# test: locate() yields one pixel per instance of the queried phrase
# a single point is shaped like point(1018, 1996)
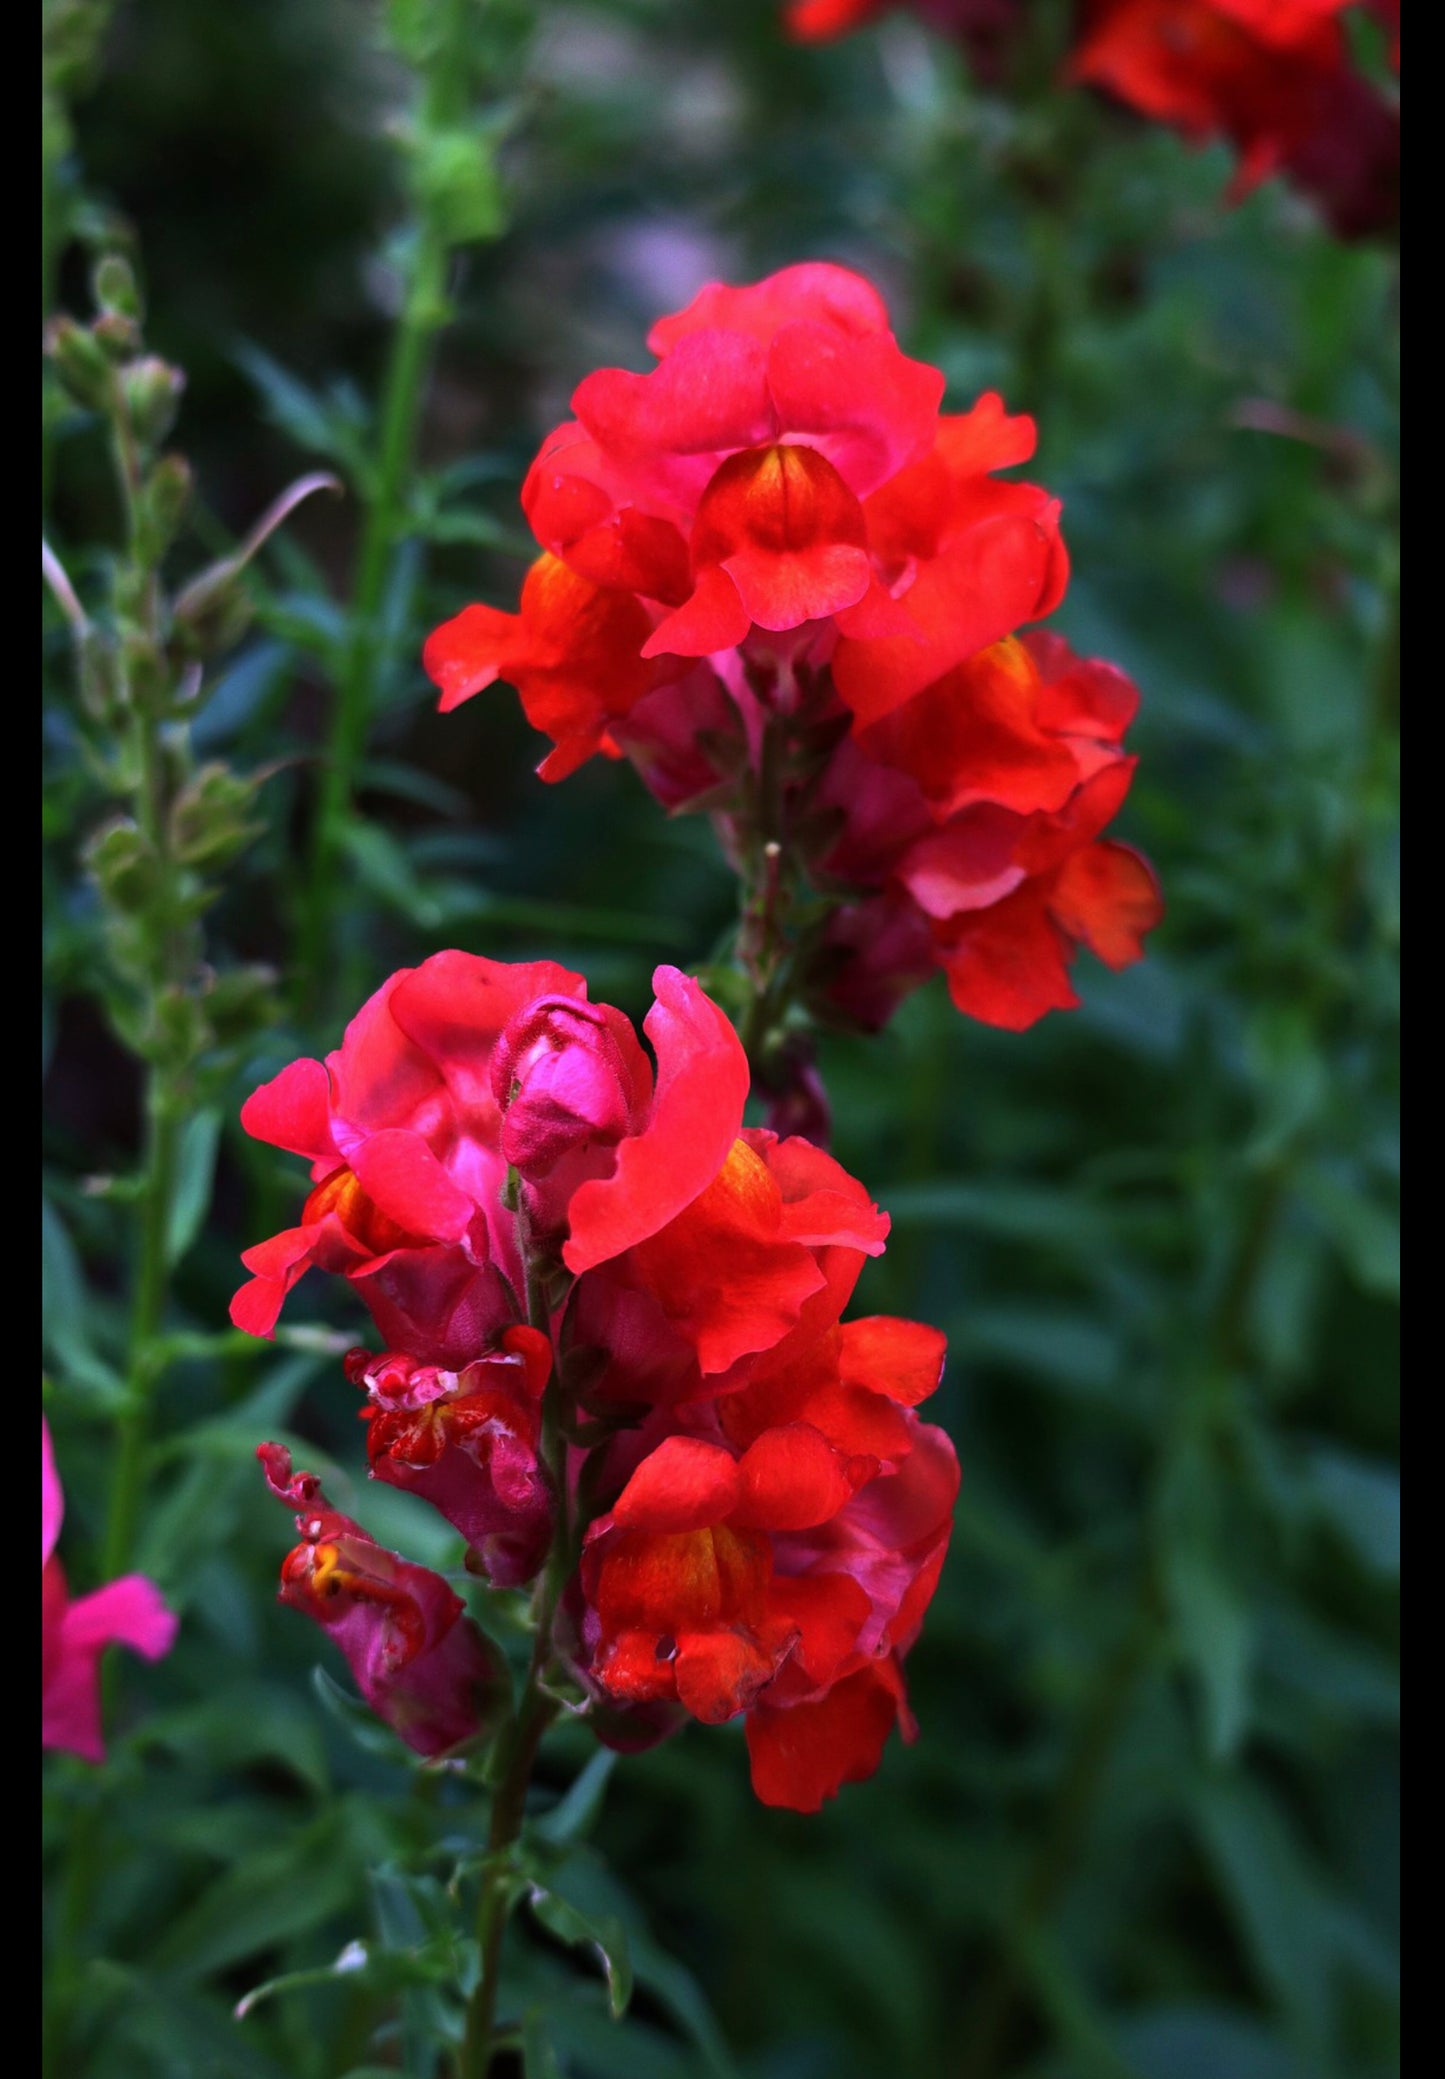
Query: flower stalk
point(448, 61)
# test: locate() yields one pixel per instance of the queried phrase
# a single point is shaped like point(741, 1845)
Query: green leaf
point(64, 1314)
point(1207, 2043)
point(539, 2059)
point(358, 1719)
point(574, 1815)
point(1366, 1233)
point(1361, 1503)
point(276, 1894)
point(195, 1171)
point(1216, 1634)
point(603, 1932)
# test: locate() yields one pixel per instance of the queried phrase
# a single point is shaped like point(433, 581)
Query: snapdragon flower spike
point(833, 576)
point(782, 473)
point(773, 1555)
point(1274, 77)
point(74, 1632)
point(764, 1514)
point(468, 1443)
point(421, 1664)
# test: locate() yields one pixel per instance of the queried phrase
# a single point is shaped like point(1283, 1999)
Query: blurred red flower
point(1274, 77)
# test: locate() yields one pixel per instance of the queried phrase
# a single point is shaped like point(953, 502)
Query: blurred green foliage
point(1151, 1825)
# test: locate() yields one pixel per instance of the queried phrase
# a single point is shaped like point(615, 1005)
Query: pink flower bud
point(561, 1081)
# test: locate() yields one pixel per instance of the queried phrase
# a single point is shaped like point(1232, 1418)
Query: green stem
point(1051, 1867)
point(128, 1477)
point(535, 1714)
point(494, 1908)
point(423, 314)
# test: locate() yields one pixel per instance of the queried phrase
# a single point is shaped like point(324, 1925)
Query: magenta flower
point(74, 1634)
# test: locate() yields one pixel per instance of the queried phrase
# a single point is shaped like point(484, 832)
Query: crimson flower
point(774, 1553)
point(987, 29)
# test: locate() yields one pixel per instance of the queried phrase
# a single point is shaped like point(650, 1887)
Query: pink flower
point(74, 1634)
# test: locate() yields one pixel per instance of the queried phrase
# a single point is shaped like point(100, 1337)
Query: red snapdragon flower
point(774, 552)
point(979, 832)
point(780, 484)
point(621, 1313)
point(464, 1083)
point(1274, 77)
point(420, 1663)
point(467, 1442)
point(74, 1632)
point(775, 1553)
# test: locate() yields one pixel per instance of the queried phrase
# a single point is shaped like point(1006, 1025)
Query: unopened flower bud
point(210, 817)
point(114, 287)
point(560, 1079)
point(164, 500)
point(152, 391)
point(213, 611)
point(124, 866)
point(81, 362)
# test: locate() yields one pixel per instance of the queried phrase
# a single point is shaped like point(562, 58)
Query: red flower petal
point(685, 1484)
point(792, 1478)
point(815, 289)
point(864, 405)
point(804, 1755)
point(973, 593)
point(293, 1111)
point(709, 396)
point(1009, 964)
point(734, 1222)
point(702, 1086)
point(902, 1359)
point(406, 1183)
point(1107, 896)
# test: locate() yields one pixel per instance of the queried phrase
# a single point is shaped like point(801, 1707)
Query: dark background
point(1150, 1827)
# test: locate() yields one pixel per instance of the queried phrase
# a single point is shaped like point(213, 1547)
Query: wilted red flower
point(468, 1442)
point(1274, 77)
point(74, 1633)
point(775, 1554)
point(421, 1664)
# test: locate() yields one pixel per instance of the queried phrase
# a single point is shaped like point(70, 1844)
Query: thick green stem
point(423, 314)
